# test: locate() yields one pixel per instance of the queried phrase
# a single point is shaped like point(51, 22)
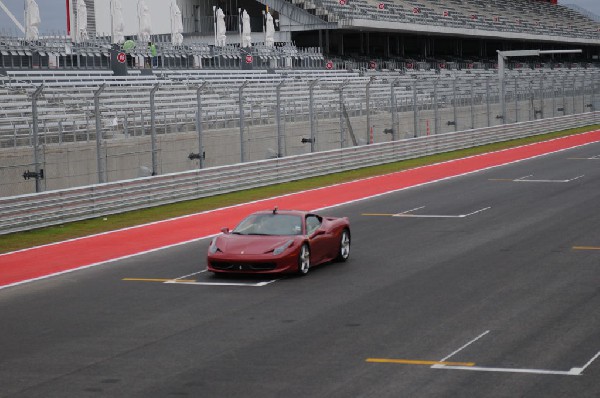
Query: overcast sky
point(53, 17)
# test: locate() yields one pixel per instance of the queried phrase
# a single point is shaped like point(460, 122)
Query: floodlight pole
point(502, 57)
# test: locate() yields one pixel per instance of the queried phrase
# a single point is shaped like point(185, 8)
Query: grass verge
point(23, 240)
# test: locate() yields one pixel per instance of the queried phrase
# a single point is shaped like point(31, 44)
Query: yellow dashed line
point(418, 362)
point(157, 280)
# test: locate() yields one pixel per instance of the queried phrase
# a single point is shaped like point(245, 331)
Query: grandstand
point(354, 72)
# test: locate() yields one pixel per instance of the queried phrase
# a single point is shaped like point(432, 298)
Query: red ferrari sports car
point(280, 242)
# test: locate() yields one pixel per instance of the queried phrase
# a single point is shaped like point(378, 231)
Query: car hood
point(250, 244)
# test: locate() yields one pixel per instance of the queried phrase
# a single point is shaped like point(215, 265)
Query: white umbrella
point(117, 22)
point(221, 36)
point(246, 32)
point(176, 25)
point(270, 33)
point(82, 34)
point(144, 21)
point(32, 20)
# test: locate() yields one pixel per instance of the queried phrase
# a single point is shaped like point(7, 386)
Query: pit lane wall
point(24, 212)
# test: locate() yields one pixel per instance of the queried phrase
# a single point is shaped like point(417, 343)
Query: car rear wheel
point(304, 260)
point(344, 251)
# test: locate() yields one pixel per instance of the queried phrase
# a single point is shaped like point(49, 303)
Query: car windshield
point(270, 224)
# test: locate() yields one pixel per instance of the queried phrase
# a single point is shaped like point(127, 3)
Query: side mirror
point(225, 230)
point(318, 232)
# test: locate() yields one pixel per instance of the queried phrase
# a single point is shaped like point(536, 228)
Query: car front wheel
point(304, 260)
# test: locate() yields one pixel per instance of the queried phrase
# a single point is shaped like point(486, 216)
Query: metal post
point(455, 113)
point(368, 134)
point(501, 77)
point(436, 114)
point(583, 83)
point(342, 130)
point(564, 95)
point(541, 96)
point(36, 160)
point(553, 98)
point(503, 98)
point(594, 89)
point(153, 129)
point(280, 149)
point(394, 110)
point(531, 96)
point(415, 111)
point(242, 123)
point(573, 93)
point(311, 114)
point(516, 99)
point(99, 156)
point(472, 104)
point(487, 101)
point(199, 124)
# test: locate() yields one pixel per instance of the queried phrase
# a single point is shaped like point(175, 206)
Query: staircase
point(305, 12)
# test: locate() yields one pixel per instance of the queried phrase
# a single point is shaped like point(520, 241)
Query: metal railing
point(31, 211)
point(85, 135)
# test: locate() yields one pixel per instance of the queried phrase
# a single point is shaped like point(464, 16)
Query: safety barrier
point(25, 212)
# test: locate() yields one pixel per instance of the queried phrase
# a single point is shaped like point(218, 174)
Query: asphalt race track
point(485, 285)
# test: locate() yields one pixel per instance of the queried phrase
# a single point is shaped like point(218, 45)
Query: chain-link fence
point(167, 125)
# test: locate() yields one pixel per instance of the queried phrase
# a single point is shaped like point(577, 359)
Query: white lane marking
point(464, 346)
point(571, 372)
point(282, 196)
point(406, 214)
point(581, 369)
point(523, 179)
point(508, 370)
point(409, 211)
point(259, 284)
point(192, 274)
point(597, 157)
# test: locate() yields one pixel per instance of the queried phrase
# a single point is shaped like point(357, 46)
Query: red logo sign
point(249, 59)
point(381, 6)
point(342, 2)
point(121, 57)
point(329, 65)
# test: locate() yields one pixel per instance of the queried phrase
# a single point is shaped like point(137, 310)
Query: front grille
point(227, 266)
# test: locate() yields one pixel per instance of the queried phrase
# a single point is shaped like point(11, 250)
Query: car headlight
point(281, 248)
point(212, 249)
